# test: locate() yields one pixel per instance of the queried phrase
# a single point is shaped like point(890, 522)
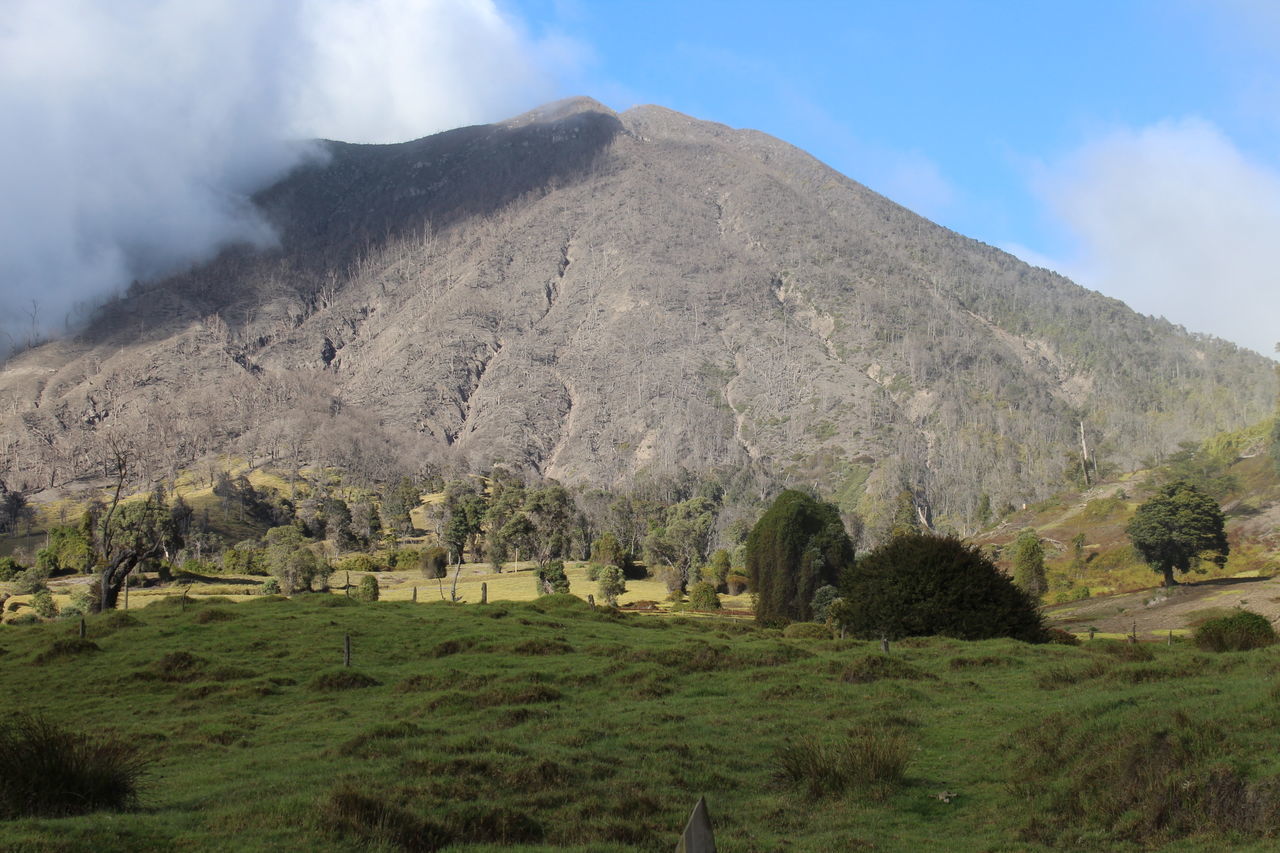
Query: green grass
point(546, 725)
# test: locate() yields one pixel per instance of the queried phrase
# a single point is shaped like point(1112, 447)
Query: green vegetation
point(918, 585)
point(1173, 529)
point(48, 771)
point(1238, 632)
point(1028, 564)
point(543, 725)
point(797, 546)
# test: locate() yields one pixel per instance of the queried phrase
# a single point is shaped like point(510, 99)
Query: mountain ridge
point(598, 296)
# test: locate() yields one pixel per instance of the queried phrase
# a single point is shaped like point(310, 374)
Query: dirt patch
point(1157, 611)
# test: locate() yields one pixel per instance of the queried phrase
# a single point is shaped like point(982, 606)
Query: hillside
point(599, 297)
point(1097, 580)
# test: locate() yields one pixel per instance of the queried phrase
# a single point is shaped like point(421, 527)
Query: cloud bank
point(136, 130)
point(1175, 220)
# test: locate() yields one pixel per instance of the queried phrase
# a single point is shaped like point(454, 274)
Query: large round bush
point(1241, 631)
point(917, 585)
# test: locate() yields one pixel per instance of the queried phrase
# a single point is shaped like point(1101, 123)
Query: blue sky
point(1131, 144)
point(990, 117)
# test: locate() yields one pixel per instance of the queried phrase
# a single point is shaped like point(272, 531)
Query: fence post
point(484, 593)
point(82, 627)
point(346, 650)
point(415, 595)
point(698, 836)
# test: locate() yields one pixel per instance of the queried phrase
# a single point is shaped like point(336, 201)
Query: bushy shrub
point(1062, 638)
point(358, 563)
point(871, 760)
point(736, 583)
point(368, 589)
point(434, 562)
point(1238, 632)
point(43, 604)
point(30, 581)
point(702, 596)
point(270, 586)
point(920, 585)
point(9, 569)
point(822, 601)
point(807, 631)
point(47, 771)
point(593, 571)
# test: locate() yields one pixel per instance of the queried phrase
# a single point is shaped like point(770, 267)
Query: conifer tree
point(797, 546)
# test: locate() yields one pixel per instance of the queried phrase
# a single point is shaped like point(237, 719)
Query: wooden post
point(698, 836)
point(346, 650)
point(484, 593)
point(346, 585)
point(1171, 638)
point(415, 595)
point(82, 627)
point(884, 645)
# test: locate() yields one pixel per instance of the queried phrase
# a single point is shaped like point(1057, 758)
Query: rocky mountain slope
point(597, 296)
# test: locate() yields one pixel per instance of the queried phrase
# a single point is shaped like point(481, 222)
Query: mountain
point(599, 297)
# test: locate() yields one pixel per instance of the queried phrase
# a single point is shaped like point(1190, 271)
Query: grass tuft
point(865, 670)
point(342, 679)
point(350, 814)
point(69, 648)
point(869, 760)
point(47, 771)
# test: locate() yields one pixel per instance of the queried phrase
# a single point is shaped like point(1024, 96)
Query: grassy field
point(546, 725)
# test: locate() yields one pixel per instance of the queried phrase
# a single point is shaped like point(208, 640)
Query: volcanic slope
point(593, 295)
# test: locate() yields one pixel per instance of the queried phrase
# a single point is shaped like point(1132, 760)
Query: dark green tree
point(905, 518)
point(397, 502)
point(551, 578)
point(1028, 564)
point(1176, 528)
point(797, 546)
point(918, 585)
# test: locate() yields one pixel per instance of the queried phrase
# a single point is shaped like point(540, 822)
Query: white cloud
point(1176, 221)
point(135, 129)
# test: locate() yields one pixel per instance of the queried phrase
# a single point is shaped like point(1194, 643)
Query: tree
point(1028, 564)
point(542, 526)
point(551, 578)
point(612, 583)
point(1176, 528)
point(797, 546)
point(681, 541)
point(919, 585)
point(126, 534)
point(397, 503)
point(905, 518)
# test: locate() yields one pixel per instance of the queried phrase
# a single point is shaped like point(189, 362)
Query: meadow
point(548, 725)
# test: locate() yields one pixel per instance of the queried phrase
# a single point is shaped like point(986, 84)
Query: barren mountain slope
point(593, 295)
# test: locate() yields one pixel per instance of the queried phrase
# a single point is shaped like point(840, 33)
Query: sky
point(1130, 144)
